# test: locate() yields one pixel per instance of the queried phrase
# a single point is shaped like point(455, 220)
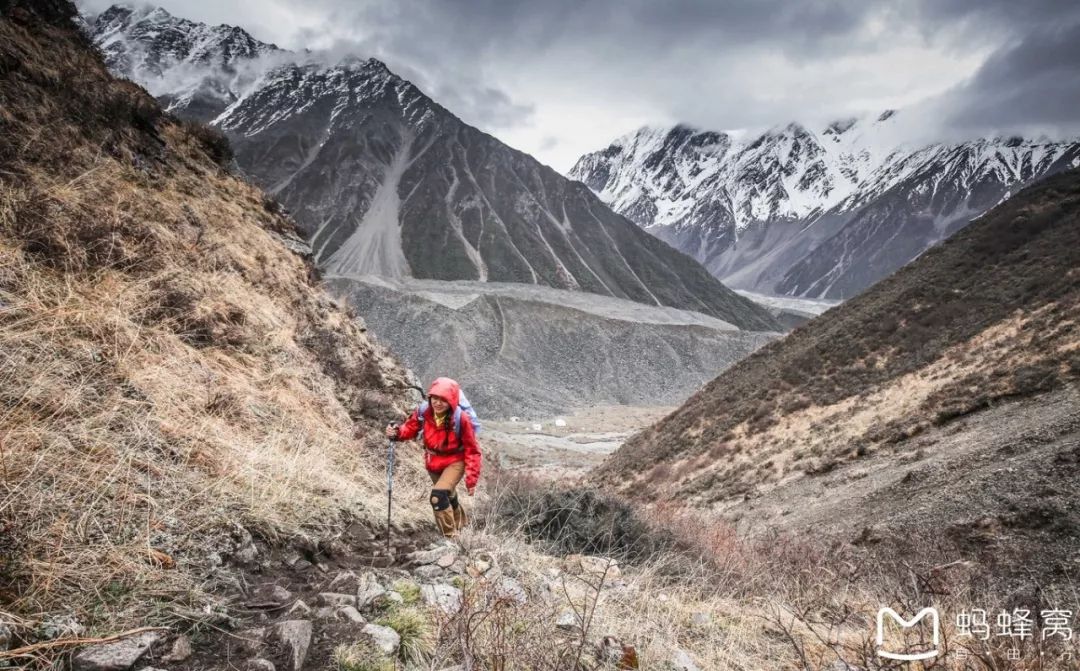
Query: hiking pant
point(449, 515)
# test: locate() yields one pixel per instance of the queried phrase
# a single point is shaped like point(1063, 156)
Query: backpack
point(463, 406)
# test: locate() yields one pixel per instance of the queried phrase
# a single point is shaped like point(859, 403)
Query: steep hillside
point(821, 213)
point(384, 181)
point(172, 381)
point(972, 326)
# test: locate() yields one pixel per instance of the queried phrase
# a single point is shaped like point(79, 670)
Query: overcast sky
point(558, 78)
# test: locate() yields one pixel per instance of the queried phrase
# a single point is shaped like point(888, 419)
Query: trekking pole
point(389, 488)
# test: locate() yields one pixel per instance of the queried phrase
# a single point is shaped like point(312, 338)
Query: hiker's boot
point(459, 513)
point(444, 513)
point(444, 519)
point(460, 520)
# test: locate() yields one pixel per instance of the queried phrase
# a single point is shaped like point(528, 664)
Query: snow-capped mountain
point(195, 69)
point(820, 213)
point(387, 182)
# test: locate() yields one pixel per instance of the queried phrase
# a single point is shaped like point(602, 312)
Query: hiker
point(451, 450)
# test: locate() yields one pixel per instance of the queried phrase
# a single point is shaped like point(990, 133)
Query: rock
point(259, 664)
point(181, 650)
point(458, 567)
point(478, 568)
point(292, 638)
point(430, 572)
point(600, 565)
point(392, 597)
point(250, 641)
point(568, 622)
point(300, 608)
point(368, 590)
point(60, 626)
point(302, 565)
point(385, 638)
point(6, 636)
point(508, 588)
point(324, 613)
point(246, 555)
point(446, 560)
point(268, 596)
point(345, 581)
point(444, 597)
point(350, 614)
point(422, 557)
point(700, 620)
point(336, 599)
point(116, 656)
point(682, 661)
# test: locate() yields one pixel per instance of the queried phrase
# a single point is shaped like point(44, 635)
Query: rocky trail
point(347, 604)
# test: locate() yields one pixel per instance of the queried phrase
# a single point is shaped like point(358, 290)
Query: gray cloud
point(584, 72)
point(1032, 84)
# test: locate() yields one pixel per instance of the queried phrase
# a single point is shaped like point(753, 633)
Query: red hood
point(447, 389)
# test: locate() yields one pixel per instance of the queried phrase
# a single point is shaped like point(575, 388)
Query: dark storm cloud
point(583, 71)
point(1032, 84)
point(1029, 84)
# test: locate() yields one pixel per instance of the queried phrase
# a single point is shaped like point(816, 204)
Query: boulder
point(115, 656)
point(430, 572)
point(349, 614)
point(368, 590)
point(568, 622)
point(269, 596)
point(385, 638)
point(292, 639)
point(345, 581)
point(181, 650)
point(422, 557)
point(508, 588)
point(336, 599)
point(259, 664)
point(250, 641)
point(6, 636)
point(682, 661)
point(446, 560)
point(444, 597)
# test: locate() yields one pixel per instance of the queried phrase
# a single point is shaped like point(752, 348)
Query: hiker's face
point(439, 404)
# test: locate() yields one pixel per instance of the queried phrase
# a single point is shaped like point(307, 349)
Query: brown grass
point(170, 377)
point(989, 315)
point(769, 601)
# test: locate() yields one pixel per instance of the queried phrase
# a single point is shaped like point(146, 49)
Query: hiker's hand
point(391, 431)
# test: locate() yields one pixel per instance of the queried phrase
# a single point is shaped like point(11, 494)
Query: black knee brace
point(454, 501)
point(440, 499)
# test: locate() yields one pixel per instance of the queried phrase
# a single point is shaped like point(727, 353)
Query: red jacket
point(441, 446)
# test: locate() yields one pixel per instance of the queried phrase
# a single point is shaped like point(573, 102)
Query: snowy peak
point(192, 67)
point(705, 192)
point(150, 41)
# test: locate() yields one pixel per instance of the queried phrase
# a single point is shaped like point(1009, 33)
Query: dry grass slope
point(989, 315)
point(170, 373)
